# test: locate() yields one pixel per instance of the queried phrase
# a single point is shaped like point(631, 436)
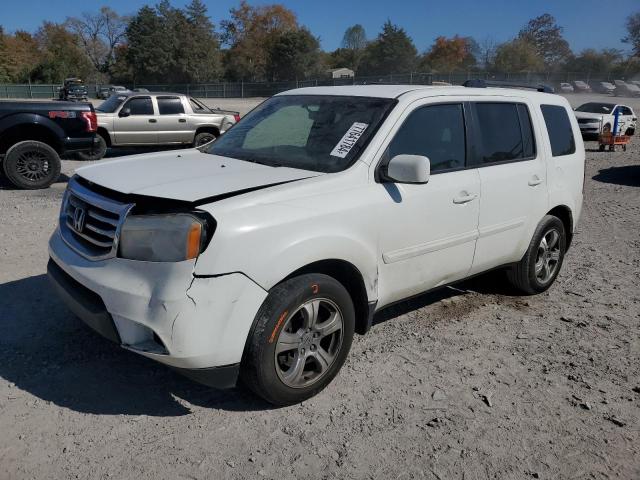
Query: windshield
point(111, 104)
point(594, 107)
point(313, 132)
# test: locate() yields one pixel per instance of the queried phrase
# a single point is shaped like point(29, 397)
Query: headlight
point(162, 238)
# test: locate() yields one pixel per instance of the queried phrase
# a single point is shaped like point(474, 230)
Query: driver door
point(428, 232)
point(136, 123)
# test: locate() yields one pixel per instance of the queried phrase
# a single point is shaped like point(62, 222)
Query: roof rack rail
point(479, 83)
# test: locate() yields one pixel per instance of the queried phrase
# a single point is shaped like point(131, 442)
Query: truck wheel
point(542, 261)
point(99, 150)
point(203, 138)
point(300, 339)
point(31, 165)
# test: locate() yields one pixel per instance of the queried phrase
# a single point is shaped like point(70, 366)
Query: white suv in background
point(259, 255)
point(595, 118)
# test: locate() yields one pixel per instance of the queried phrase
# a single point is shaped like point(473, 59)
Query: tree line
point(166, 44)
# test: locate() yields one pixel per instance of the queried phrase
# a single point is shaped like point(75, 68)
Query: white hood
point(589, 115)
point(187, 175)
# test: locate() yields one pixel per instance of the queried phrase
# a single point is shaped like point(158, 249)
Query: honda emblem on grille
point(78, 219)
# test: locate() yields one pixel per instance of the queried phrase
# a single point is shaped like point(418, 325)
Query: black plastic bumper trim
point(217, 377)
point(84, 303)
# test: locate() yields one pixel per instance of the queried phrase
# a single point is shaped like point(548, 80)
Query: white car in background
point(260, 255)
point(595, 118)
point(582, 87)
point(566, 87)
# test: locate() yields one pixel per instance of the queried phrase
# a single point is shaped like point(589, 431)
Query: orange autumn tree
point(450, 54)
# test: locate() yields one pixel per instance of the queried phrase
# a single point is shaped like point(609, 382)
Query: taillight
point(91, 120)
point(236, 117)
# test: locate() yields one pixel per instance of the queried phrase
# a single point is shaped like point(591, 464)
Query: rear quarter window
point(559, 130)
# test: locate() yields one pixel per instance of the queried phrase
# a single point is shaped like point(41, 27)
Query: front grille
point(588, 120)
point(90, 223)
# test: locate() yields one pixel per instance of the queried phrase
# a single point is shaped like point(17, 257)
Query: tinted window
point(170, 105)
point(502, 134)
point(559, 129)
point(624, 110)
point(437, 132)
point(595, 107)
point(196, 106)
point(140, 106)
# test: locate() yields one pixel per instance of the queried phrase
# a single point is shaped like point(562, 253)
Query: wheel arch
point(351, 279)
point(104, 133)
point(208, 129)
point(565, 215)
point(29, 131)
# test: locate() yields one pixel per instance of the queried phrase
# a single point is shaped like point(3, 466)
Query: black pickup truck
point(33, 136)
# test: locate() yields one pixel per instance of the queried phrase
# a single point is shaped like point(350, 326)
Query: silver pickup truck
point(134, 119)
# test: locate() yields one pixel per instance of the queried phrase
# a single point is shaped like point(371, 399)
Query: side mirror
point(408, 169)
point(125, 112)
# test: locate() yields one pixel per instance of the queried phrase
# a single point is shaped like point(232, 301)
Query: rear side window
point(140, 106)
point(503, 132)
point(436, 132)
point(559, 129)
point(170, 105)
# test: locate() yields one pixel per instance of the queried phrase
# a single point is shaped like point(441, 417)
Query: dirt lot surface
point(465, 383)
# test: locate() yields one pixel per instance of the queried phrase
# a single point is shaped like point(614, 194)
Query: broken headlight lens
point(162, 238)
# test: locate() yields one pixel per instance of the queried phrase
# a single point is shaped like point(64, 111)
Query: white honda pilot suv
point(258, 256)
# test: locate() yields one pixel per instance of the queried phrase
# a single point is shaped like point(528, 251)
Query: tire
point(97, 153)
point(630, 132)
point(31, 165)
point(203, 138)
point(525, 275)
point(283, 325)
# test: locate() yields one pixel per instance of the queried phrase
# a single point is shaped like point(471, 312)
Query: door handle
point(182, 120)
point(535, 180)
point(464, 197)
point(153, 120)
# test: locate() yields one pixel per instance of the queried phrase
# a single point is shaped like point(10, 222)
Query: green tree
point(633, 33)
point(294, 55)
point(546, 37)
point(201, 48)
point(517, 55)
point(594, 61)
point(392, 51)
point(60, 55)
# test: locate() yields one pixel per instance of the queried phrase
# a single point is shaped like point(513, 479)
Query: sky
point(585, 23)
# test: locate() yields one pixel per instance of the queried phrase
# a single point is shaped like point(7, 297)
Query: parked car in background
point(140, 90)
point(566, 87)
point(260, 254)
point(581, 87)
point(73, 90)
point(624, 89)
point(595, 118)
point(135, 119)
point(607, 88)
point(33, 135)
point(108, 90)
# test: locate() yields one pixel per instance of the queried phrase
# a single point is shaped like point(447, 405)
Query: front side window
point(436, 132)
point(111, 104)
point(323, 133)
point(170, 105)
point(140, 106)
point(559, 129)
point(503, 133)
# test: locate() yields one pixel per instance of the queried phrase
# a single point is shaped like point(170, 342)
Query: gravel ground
point(466, 383)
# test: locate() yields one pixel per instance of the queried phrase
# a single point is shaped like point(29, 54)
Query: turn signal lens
point(194, 240)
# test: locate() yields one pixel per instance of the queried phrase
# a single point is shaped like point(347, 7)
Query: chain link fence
point(267, 89)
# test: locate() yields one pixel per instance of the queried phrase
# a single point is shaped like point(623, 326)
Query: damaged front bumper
point(197, 325)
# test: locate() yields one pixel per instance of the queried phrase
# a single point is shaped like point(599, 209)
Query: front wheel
point(542, 261)
point(99, 150)
point(300, 340)
point(31, 165)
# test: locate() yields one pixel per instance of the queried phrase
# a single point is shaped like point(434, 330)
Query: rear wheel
point(203, 138)
point(99, 150)
point(542, 261)
point(31, 165)
point(301, 338)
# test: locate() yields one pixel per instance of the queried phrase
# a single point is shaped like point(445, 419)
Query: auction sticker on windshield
point(349, 139)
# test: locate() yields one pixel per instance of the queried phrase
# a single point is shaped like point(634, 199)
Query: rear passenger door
point(513, 179)
point(173, 126)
